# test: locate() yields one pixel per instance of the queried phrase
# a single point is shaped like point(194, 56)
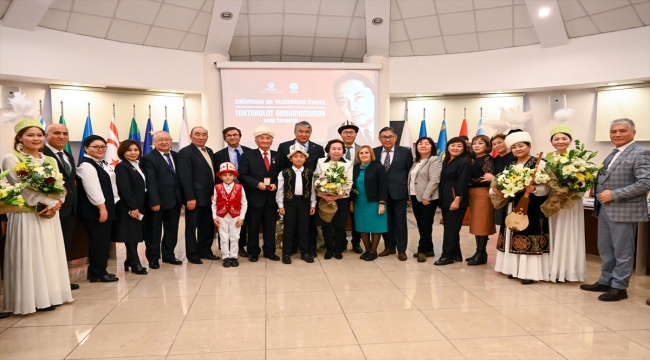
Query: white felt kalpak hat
point(227, 167)
point(297, 148)
point(263, 130)
point(517, 137)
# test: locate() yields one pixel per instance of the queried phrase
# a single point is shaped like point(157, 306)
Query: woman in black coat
point(454, 199)
point(128, 228)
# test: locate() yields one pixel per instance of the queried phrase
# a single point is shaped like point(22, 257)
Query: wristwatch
point(459, 197)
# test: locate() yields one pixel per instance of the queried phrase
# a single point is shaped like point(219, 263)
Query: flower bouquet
point(332, 182)
point(44, 178)
point(10, 199)
point(572, 174)
point(515, 178)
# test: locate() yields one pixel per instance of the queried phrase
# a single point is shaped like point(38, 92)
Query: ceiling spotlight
point(543, 12)
point(612, 84)
point(226, 15)
point(377, 21)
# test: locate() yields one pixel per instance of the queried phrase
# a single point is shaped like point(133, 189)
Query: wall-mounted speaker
point(556, 102)
point(6, 93)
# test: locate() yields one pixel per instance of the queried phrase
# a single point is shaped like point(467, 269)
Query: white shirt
point(136, 166)
point(90, 180)
point(384, 152)
point(412, 175)
point(279, 195)
point(171, 158)
point(620, 150)
point(56, 152)
point(268, 154)
point(228, 188)
point(232, 155)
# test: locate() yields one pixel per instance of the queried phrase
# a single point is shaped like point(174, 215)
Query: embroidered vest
point(289, 177)
point(228, 203)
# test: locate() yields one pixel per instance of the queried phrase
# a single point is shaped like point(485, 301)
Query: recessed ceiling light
point(377, 21)
point(543, 12)
point(226, 15)
point(418, 94)
point(612, 84)
point(75, 84)
point(498, 92)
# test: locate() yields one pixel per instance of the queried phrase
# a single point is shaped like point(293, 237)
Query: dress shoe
point(307, 258)
point(105, 278)
point(252, 258)
point(357, 248)
point(371, 256)
point(234, 262)
point(195, 261)
point(387, 252)
point(136, 269)
point(328, 255)
point(211, 257)
point(422, 257)
point(427, 254)
point(401, 256)
point(596, 287)
point(613, 295)
point(173, 261)
point(312, 253)
point(338, 256)
point(49, 308)
point(74, 286)
point(527, 281)
point(443, 261)
point(458, 259)
point(154, 264)
point(243, 253)
point(272, 257)
point(364, 255)
point(286, 259)
point(4, 315)
point(226, 263)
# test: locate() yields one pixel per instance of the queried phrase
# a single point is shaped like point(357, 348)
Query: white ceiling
point(332, 30)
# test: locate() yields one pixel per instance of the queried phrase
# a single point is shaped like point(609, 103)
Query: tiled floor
point(333, 309)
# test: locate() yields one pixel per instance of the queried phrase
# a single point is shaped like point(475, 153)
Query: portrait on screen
point(355, 96)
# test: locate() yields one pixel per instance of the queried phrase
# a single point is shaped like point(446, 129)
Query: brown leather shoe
point(402, 256)
point(613, 295)
point(597, 287)
point(386, 253)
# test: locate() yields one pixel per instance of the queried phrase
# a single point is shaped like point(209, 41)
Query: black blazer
point(252, 171)
point(69, 207)
point(315, 152)
point(222, 156)
point(374, 182)
point(398, 173)
point(454, 181)
point(130, 187)
point(196, 177)
point(163, 184)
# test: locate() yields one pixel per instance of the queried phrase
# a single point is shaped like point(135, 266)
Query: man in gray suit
point(348, 131)
point(620, 205)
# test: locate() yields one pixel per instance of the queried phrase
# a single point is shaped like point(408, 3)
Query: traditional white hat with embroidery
point(347, 124)
point(295, 148)
point(227, 167)
point(263, 130)
point(517, 136)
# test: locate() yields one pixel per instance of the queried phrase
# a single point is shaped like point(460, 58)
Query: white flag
point(183, 135)
point(112, 143)
point(406, 133)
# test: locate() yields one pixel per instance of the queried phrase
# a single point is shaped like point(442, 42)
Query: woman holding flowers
point(568, 255)
point(330, 167)
point(35, 267)
point(523, 254)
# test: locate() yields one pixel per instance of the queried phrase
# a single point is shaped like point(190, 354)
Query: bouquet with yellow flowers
point(333, 182)
point(515, 178)
point(44, 178)
point(10, 198)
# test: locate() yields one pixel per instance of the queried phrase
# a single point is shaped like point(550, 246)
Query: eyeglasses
point(232, 135)
point(387, 137)
point(348, 132)
point(98, 147)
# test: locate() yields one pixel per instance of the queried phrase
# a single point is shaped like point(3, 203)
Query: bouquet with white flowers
point(515, 178)
point(44, 178)
point(10, 198)
point(333, 183)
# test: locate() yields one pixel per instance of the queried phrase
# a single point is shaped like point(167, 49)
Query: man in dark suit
point(57, 137)
point(348, 132)
point(232, 153)
point(197, 176)
point(302, 131)
point(164, 201)
point(397, 160)
point(258, 172)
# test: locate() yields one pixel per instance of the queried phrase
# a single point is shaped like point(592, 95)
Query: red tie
point(203, 149)
point(266, 162)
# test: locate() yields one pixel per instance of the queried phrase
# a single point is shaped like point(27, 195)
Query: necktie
point(238, 158)
point(266, 162)
point(609, 158)
point(66, 167)
point(387, 160)
point(169, 161)
point(203, 149)
point(347, 153)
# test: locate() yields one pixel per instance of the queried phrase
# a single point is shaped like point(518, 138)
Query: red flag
point(494, 153)
point(112, 143)
point(463, 129)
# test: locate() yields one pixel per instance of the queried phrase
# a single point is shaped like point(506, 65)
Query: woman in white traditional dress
point(35, 266)
point(568, 255)
point(524, 254)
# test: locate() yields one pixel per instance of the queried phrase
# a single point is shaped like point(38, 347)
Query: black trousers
point(68, 224)
point(424, 215)
point(199, 232)
point(356, 237)
point(155, 223)
point(451, 238)
point(397, 235)
point(296, 225)
point(99, 246)
point(264, 216)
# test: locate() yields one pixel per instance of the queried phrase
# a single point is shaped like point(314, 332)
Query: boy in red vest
point(228, 210)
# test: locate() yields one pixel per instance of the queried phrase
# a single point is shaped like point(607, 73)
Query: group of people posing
point(241, 191)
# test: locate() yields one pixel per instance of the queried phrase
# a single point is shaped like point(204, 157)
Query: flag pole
point(424, 114)
point(134, 111)
point(149, 111)
point(464, 113)
point(165, 111)
point(113, 109)
point(444, 113)
point(61, 107)
point(481, 112)
point(40, 106)
point(89, 108)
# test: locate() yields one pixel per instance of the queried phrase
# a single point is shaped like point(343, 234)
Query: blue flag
point(423, 129)
point(166, 126)
point(481, 129)
point(88, 130)
point(148, 139)
point(43, 124)
point(442, 140)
